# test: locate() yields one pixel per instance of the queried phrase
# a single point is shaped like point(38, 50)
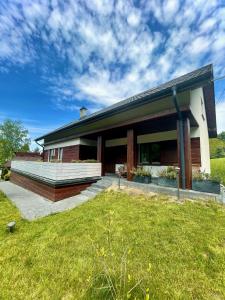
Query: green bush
point(84, 161)
point(4, 172)
point(217, 148)
point(169, 173)
point(7, 176)
point(218, 169)
point(140, 171)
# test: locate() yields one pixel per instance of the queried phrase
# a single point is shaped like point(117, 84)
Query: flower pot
point(142, 179)
point(154, 180)
point(206, 186)
point(162, 181)
point(146, 179)
point(137, 178)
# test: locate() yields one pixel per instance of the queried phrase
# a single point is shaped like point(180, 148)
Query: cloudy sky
point(56, 56)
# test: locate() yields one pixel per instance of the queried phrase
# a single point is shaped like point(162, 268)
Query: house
point(169, 125)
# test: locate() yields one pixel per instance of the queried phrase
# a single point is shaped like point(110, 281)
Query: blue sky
point(56, 56)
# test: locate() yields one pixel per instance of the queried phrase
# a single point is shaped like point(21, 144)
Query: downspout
point(181, 137)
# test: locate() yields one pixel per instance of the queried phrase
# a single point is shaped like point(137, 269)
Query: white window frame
point(51, 154)
point(60, 154)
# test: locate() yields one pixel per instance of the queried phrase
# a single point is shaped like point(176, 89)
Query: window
point(149, 153)
point(51, 154)
point(202, 108)
point(60, 154)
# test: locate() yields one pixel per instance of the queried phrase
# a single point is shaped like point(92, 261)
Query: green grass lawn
point(218, 168)
point(116, 246)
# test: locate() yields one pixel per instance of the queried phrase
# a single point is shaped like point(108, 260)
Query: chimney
point(83, 112)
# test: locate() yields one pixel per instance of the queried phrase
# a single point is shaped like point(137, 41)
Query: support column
point(180, 152)
point(100, 152)
point(184, 153)
point(131, 152)
point(187, 154)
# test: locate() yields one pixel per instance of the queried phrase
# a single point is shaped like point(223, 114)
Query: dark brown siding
point(45, 155)
point(47, 191)
point(195, 151)
point(169, 152)
point(69, 153)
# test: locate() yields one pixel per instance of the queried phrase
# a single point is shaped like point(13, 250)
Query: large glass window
point(60, 154)
point(51, 154)
point(149, 153)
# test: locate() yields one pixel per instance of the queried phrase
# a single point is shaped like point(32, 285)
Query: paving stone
point(33, 206)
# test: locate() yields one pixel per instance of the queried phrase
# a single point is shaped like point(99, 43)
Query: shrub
point(140, 171)
point(4, 172)
point(84, 161)
point(218, 169)
point(200, 176)
point(169, 173)
point(7, 176)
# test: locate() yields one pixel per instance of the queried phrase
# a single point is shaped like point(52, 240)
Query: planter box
point(162, 181)
point(142, 179)
point(206, 186)
point(155, 180)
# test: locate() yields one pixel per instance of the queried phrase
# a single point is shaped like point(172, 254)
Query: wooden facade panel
point(187, 150)
point(195, 151)
point(69, 153)
point(131, 152)
point(49, 192)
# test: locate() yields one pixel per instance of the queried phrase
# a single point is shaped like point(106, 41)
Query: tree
point(221, 136)
point(36, 150)
point(13, 138)
point(217, 148)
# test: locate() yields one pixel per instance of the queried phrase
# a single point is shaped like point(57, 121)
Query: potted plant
point(168, 177)
point(141, 175)
point(203, 182)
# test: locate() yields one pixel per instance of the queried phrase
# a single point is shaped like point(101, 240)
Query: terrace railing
point(58, 171)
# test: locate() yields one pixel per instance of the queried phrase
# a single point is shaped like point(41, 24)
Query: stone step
point(95, 189)
point(101, 187)
point(89, 194)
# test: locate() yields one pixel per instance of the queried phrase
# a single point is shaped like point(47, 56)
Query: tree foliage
point(217, 148)
point(13, 138)
point(221, 136)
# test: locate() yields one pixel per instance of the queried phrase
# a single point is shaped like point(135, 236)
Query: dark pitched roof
point(183, 82)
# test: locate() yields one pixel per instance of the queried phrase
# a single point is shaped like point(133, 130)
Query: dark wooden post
point(131, 152)
point(100, 152)
point(187, 154)
point(184, 148)
point(178, 153)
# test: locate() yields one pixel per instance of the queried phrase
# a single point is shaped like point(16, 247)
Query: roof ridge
point(175, 81)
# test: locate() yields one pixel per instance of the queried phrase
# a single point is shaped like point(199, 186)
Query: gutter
point(181, 137)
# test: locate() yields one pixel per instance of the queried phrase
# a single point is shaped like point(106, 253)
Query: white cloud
point(110, 49)
point(199, 45)
point(134, 19)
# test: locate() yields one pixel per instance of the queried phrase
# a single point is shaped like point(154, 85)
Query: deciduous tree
point(13, 138)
